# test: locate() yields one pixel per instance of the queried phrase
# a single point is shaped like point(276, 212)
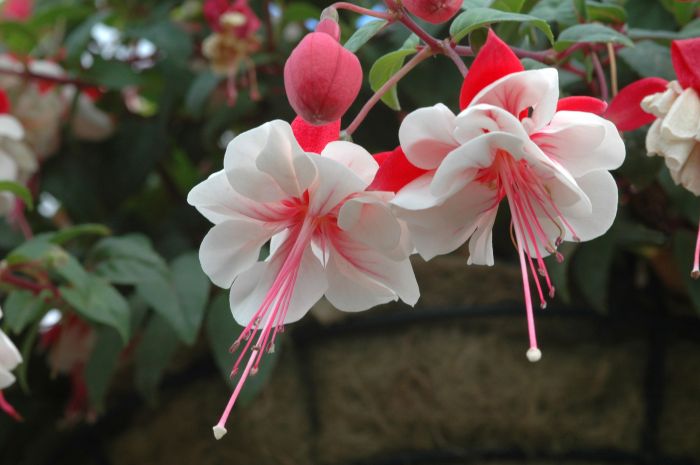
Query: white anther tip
point(695, 274)
point(219, 432)
point(534, 354)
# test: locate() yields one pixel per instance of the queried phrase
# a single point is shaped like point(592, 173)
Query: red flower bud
point(322, 78)
point(433, 11)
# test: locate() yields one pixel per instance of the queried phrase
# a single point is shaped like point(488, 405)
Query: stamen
point(695, 274)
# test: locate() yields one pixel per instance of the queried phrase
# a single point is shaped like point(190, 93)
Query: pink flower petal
point(315, 138)
point(582, 103)
point(625, 109)
point(494, 60)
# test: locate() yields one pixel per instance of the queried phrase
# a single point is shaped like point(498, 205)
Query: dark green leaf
point(514, 6)
point(649, 59)
point(363, 34)
point(606, 12)
point(22, 308)
point(591, 270)
point(199, 91)
point(180, 296)
point(590, 33)
point(17, 37)
point(300, 11)
point(155, 350)
point(383, 69)
point(19, 190)
point(475, 18)
point(99, 302)
point(77, 41)
point(102, 364)
point(127, 260)
point(73, 232)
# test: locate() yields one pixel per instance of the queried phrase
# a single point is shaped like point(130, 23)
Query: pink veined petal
point(249, 289)
point(686, 61)
point(582, 103)
point(395, 171)
point(368, 219)
point(581, 142)
point(359, 277)
point(353, 157)
point(461, 166)
point(535, 92)
point(443, 228)
point(426, 136)
point(315, 138)
point(625, 109)
point(478, 119)
point(285, 161)
point(333, 184)
point(217, 201)
point(240, 166)
point(494, 60)
point(230, 248)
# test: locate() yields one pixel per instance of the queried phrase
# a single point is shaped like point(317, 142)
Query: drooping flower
point(9, 359)
point(321, 77)
point(433, 11)
point(17, 10)
point(673, 108)
point(328, 236)
point(513, 141)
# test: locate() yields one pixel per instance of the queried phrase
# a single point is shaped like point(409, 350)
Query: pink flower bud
point(433, 11)
point(322, 78)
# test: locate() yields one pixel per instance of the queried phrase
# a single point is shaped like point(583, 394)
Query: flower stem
point(613, 68)
point(412, 63)
point(602, 83)
point(454, 56)
point(363, 11)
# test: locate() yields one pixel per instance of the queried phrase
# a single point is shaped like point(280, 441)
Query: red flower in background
point(236, 17)
point(18, 10)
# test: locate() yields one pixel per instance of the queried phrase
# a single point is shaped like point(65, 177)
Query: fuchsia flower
point(513, 141)
point(328, 235)
point(235, 18)
point(433, 11)
point(9, 359)
point(18, 10)
point(673, 108)
point(322, 78)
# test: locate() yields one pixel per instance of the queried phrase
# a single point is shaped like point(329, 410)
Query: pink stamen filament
point(695, 274)
point(271, 313)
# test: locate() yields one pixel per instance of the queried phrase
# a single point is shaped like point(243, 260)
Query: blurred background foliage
point(106, 289)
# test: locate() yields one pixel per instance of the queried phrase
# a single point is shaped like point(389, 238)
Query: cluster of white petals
point(42, 108)
point(9, 359)
point(675, 134)
point(17, 161)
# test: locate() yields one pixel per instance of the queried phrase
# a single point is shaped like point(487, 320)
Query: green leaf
point(73, 232)
point(98, 301)
point(649, 59)
point(180, 296)
point(22, 308)
point(300, 11)
point(411, 42)
point(19, 190)
point(591, 270)
point(102, 364)
point(77, 41)
point(383, 69)
point(170, 38)
point(590, 33)
point(153, 354)
point(17, 37)
point(481, 17)
point(37, 249)
point(514, 6)
point(363, 34)
point(682, 12)
point(127, 259)
point(222, 330)
point(581, 11)
point(199, 91)
point(562, 13)
point(113, 74)
point(606, 12)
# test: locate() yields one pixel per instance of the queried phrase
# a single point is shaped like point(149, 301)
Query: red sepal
point(395, 171)
point(5, 105)
point(315, 138)
point(686, 61)
point(625, 109)
point(582, 103)
point(494, 60)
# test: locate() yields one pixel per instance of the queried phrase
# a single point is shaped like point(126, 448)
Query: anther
point(534, 354)
point(219, 432)
point(543, 304)
point(551, 292)
point(254, 371)
point(695, 274)
point(234, 347)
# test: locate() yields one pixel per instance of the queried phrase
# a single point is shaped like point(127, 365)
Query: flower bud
point(433, 11)
point(322, 78)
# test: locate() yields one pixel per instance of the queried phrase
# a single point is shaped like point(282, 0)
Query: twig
point(26, 74)
point(363, 11)
point(613, 68)
point(412, 63)
point(454, 56)
point(602, 83)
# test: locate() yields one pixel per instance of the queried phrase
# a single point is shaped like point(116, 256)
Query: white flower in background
point(9, 359)
point(328, 236)
point(675, 134)
point(17, 161)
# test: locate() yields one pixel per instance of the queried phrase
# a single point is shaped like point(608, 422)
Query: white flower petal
point(230, 248)
point(537, 89)
point(369, 219)
point(6, 378)
point(442, 229)
point(426, 136)
point(689, 175)
point(581, 142)
point(283, 159)
point(683, 119)
point(601, 189)
point(352, 156)
point(9, 355)
point(477, 120)
point(251, 287)
point(333, 184)
point(481, 241)
point(416, 195)
point(11, 127)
